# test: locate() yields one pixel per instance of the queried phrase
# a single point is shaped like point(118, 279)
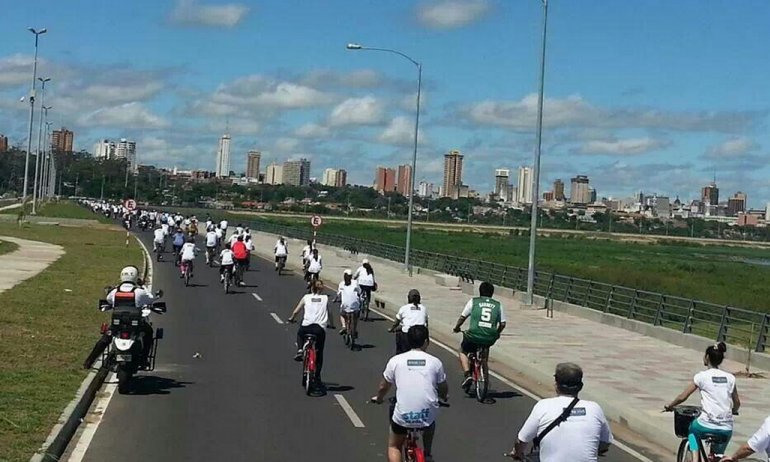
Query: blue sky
point(649, 95)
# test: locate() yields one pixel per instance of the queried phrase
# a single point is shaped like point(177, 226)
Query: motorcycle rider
point(130, 293)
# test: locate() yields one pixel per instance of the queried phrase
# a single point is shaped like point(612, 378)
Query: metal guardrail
point(719, 322)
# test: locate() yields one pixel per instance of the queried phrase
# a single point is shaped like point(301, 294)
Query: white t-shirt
point(364, 278)
point(315, 310)
point(223, 224)
point(211, 239)
point(716, 391)
point(165, 228)
point(281, 249)
point(249, 244)
point(233, 239)
point(760, 442)
point(238, 230)
point(171, 221)
point(416, 375)
point(349, 296)
point(306, 252)
point(316, 265)
point(411, 315)
point(469, 308)
point(187, 222)
point(219, 233)
point(576, 439)
point(227, 257)
point(188, 251)
point(160, 235)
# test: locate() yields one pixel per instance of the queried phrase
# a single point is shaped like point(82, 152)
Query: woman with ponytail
point(719, 400)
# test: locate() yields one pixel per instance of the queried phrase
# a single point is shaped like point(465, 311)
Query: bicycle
point(349, 337)
point(365, 305)
point(412, 452)
point(159, 249)
point(479, 374)
point(281, 264)
point(210, 256)
point(309, 364)
point(683, 417)
point(187, 272)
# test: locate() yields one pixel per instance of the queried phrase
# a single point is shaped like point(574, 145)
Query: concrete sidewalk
point(28, 260)
point(631, 375)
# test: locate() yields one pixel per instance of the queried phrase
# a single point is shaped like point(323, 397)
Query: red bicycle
point(309, 364)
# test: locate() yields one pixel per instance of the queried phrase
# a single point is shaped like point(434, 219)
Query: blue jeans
point(696, 430)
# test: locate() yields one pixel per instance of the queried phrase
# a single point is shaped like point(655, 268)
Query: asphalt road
point(242, 399)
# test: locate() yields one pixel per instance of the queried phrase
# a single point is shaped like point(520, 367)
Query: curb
point(54, 446)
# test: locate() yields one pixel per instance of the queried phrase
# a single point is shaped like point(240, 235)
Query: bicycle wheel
point(187, 276)
point(482, 383)
point(684, 454)
point(309, 371)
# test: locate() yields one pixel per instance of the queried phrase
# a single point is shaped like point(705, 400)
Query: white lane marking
point(277, 319)
point(256, 296)
point(520, 389)
point(349, 411)
point(90, 429)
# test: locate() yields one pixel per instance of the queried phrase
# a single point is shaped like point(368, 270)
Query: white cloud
point(235, 127)
point(400, 132)
point(312, 130)
point(260, 92)
point(193, 13)
point(129, 115)
point(287, 145)
point(629, 146)
point(452, 14)
point(357, 111)
point(733, 148)
point(126, 92)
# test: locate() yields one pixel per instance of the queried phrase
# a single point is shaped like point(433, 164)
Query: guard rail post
point(662, 303)
point(609, 299)
point(588, 293)
point(632, 306)
point(687, 329)
point(567, 290)
point(722, 334)
point(550, 288)
point(762, 337)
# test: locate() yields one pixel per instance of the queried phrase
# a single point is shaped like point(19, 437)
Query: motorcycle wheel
point(123, 378)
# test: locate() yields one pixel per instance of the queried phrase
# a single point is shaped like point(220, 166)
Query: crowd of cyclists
point(563, 428)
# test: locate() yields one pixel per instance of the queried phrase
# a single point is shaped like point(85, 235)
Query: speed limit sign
point(316, 221)
point(130, 204)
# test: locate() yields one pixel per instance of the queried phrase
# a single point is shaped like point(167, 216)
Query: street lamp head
point(44, 80)
point(354, 46)
point(37, 32)
point(42, 31)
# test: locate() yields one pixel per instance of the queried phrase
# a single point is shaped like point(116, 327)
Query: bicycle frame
point(412, 451)
point(308, 364)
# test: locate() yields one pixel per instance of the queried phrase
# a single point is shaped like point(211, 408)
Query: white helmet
point(364, 261)
point(347, 272)
point(129, 274)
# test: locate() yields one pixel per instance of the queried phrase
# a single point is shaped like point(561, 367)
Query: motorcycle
point(125, 354)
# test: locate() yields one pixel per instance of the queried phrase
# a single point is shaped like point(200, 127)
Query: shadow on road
point(335, 387)
point(144, 385)
point(504, 394)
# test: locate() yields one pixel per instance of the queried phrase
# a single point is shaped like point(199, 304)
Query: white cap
point(347, 272)
point(129, 274)
point(364, 261)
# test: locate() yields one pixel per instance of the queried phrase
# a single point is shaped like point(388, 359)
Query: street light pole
point(31, 116)
point(38, 163)
point(407, 252)
point(44, 187)
point(536, 169)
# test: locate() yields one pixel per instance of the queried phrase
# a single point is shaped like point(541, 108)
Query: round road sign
point(316, 221)
point(130, 204)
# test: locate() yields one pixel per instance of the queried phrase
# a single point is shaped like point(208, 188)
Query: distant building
point(105, 150)
point(580, 191)
point(385, 179)
point(548, 196)
point(296, 172)
point(767, 212)
point(252, 164)
point(274, 174)
point(126, 149)
point(661, 206)
point(524, 195)
point(747, 219)
point(342, 178)
point(558, 190)
point(592, 193)
point(736, 204)
point(329, 177)
point(223, 157)
point(453, 174)
point(502, 183)
point(426, 190)
point(3, 143)
point(62, 140)
point(404, 183)
point(710, 194)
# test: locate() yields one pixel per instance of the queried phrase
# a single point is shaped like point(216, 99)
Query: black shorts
point(402, 431)
point(470, 347)
point(278, 258)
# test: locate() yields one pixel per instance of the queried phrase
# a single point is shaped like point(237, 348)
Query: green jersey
point(485, 314)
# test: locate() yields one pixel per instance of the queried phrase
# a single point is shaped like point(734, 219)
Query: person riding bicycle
point(223, 226)
point(239, 229)
point(241, 254)
point(187, 256)
point(487, 323)
point(281, 251)
point(420, 383)
point(349, 296)
point(759, 442)
point(307, 252)
point(226, 263)
point(364, 275)
point(412, 314)
point(719, 401)
point(314, 266)
point(211, 245)
point(130, 293)
point(159, 239)
point(249, 248)
point(315, 317)
point(581, 437)
point(177, 241)
point(220, 235)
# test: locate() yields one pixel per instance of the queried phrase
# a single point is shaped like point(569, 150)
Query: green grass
point(48, 324)
point(7, 247)
point(62, 210)
point(704, 272)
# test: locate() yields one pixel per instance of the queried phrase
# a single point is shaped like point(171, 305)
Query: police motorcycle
point(128, 351)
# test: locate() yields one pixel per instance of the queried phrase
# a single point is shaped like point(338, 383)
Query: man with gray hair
point(565, 428)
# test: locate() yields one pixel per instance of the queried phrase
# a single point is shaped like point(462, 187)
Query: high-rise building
point(404, 180)
point(524, 195)
point(274, 174)
point(342, 178)
point(296, 172)
point(736, 204)
point(126, 149)
point(580, 191)
point(502, 184)
point(3, 143)
point(548, 196)
point(223, 157)
point(453, 174)
point(329, 177)
point(385, 180)
point(252, 164)
point(62, 139)
point(105, 150)
point(558, 190)
point(710, 194)
point(425, 189)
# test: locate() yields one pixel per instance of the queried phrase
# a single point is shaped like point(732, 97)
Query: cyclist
point(241, 254)
point(209, 222)
point(581, 437)
point(719, 400)
point(211, 245)
point(420, 382)
point(349, 295)
point(760, 442)
point(223, 225)
point(307, 252)
point(226, 263)
point(239, 229)
point(314, 266)
point(159, 239)
point(487, 323)
point(187, 255)
point(220, 235)
point(281, 251)
point(411, 314)
point(315, 316)
point(177, 241)
point(364, 275)
point(249, 247)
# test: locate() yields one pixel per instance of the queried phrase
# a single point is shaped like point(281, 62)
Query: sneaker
point(298, 356)
point(467, 381)
point(221, 279)
point(342, 331)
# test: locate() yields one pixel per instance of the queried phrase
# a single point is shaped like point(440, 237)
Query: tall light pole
point(38, 163)
point(31, 116)
point(355, 46)
point(44, 189)
point(41, 152)
point(536, 169)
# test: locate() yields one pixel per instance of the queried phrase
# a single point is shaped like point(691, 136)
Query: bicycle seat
point(714, 438)
point(310, 336)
